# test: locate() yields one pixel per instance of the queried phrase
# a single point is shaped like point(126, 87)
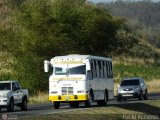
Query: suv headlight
point(136, 89)
point(119, 89)
point(4, 96)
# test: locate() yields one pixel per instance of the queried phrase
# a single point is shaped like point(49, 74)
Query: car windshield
point(5, 86)
point(70, 71)
point(130, 82)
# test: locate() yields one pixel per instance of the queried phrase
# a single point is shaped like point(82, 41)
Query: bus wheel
point(71, 104)
point(89, 101)
point(76, 104)
point(99, 102)
point(105, 98)
point(56, 105)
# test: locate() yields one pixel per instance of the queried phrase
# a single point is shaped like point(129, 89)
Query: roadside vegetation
point(34, 30)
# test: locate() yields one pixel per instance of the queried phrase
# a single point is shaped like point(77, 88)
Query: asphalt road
point(44, 109)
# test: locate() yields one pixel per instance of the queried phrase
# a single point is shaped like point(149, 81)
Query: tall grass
point(147, 72)
point(41, 97)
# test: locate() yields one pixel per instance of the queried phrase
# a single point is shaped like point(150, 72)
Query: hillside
point(33, 32)
point(143, 17)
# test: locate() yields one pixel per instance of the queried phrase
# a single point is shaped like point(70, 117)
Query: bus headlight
point(54, 92)
point(80, 91)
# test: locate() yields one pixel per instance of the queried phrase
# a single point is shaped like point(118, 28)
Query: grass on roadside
point(147, 72)
point(41, 97)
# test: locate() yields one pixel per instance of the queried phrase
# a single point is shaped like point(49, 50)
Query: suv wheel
point(140, 97)
point(119, 98)
point(146, 95)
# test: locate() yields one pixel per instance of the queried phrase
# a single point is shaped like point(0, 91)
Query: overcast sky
point(96, 1)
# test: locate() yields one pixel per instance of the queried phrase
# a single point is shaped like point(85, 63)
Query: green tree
point(45, 29)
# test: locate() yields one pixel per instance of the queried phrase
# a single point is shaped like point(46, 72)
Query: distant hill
point(143, 18)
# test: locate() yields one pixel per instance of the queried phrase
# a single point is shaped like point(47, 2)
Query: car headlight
point(136, 89)
point(119, 89)
point(4, 95)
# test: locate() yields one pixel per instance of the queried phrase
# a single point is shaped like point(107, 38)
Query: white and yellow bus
point(80, 78)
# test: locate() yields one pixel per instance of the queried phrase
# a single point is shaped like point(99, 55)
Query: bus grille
point(67, 90)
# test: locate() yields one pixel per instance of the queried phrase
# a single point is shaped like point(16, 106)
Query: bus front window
point(77, 70)
point(70, 71)
point(60, 71)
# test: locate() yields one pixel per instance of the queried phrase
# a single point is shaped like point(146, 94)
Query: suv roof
point(131, 78)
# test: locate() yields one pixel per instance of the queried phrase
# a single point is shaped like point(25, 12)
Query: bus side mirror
point(46, 66)
point(88, 67)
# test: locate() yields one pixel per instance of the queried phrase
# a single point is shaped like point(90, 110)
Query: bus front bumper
point(68, 98)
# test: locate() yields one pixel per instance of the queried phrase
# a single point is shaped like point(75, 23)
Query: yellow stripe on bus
point(68, 98)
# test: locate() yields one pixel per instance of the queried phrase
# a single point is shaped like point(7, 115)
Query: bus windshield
point(70, 71)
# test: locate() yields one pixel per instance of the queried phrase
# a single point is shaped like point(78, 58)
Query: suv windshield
point(130, 82)
point(5, 86)
point(71, 71)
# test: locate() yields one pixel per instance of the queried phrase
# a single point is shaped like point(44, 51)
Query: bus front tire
point(88, 103)
point(56, 105)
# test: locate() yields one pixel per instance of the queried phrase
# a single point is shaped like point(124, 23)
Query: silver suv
point(132, 88)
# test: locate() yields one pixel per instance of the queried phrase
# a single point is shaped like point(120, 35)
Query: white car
point(11, 94)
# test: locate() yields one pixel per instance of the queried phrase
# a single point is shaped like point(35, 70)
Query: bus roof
point(72, 56)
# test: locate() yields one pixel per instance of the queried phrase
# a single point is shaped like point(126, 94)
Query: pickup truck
point(11, 94)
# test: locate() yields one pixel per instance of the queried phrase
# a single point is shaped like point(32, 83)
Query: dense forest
point(34, 30)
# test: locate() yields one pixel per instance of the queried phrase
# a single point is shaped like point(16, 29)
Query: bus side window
point(99, 68)
point(92, 69)
point(105, 69)
point(111, 70)
point(102, 72)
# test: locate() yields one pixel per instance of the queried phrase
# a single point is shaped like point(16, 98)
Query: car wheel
point(146, 95)
point(56, 105)
point(119, 98)
point(24, 104)
point(10, 108)
point(140, 97)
